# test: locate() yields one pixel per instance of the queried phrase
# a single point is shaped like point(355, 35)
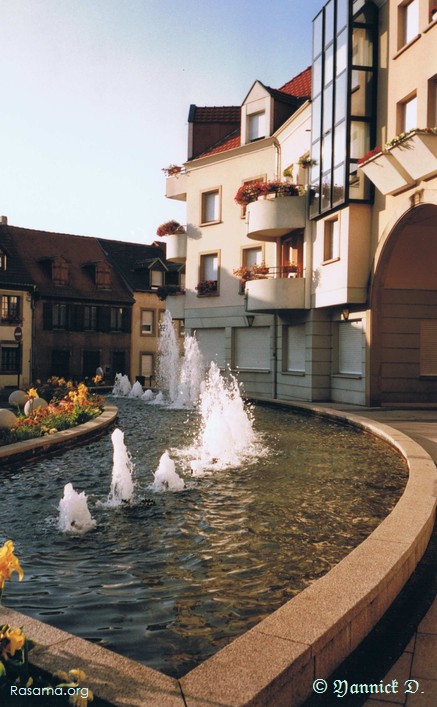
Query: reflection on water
point(171, 578)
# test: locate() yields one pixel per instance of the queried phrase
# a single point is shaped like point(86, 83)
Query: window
point(252, 256)
point(210, 208)
point(156, 278)
point(147, 322)
point(60, 271)
point(10, 359)
point(331, 241)
point(256, 126)
point(408, 22)
point(117, 318)
point(59, 316)
point(350, 347)
point(103, 276)
point(432, 100)
point(295, 360)
point(428, 347)
point(2, 260)
point(252, 348)
point(147, 366)
point(10, 308)
point(60, 363)
point(90, 318)
point(208, 274)
point(408, 115)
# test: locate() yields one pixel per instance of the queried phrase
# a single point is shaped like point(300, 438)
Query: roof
point(131, 259)
point(31, 250)
point(16, 275)
point(299, 87)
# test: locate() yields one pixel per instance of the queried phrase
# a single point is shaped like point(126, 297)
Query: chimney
point(4, 220)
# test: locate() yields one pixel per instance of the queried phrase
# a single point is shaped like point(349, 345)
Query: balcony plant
point(172, 170)
point(206, 287)
point(433, 13)
point(251, 192)
point(170, 228)
point(416, 151)
point(257, 271)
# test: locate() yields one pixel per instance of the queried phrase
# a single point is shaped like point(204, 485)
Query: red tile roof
point(300, 85)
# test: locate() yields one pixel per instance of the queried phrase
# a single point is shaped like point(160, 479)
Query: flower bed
point(69, 406)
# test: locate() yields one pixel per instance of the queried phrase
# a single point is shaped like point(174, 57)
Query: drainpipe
point(275, 356)
point(277, 158)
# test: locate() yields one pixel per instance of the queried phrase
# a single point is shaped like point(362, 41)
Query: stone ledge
point(41, 446)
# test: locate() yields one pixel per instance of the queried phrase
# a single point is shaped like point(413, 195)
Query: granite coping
point(276, 662)
point(41, 446)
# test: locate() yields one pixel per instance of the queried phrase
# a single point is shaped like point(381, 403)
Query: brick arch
point(404, 311)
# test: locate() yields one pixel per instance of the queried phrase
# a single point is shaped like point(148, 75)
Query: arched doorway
point(403, 347)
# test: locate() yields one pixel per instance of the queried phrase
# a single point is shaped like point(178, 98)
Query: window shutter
point(126, 319)
point(350, 346)
point(296, 348)
point(252, 348)
point(104, 319)
point(428, 347)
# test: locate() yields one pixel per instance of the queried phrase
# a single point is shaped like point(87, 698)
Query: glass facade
point(343, 102)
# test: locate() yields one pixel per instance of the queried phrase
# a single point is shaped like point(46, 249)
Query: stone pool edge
point(41, 446)
point(277, 661)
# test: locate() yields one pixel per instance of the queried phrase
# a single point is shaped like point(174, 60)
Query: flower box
point(417, 154)
point(385, 172)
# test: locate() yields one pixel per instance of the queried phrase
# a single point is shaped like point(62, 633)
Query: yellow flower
point(12, 640)
point(32, 393)
point(9, 563)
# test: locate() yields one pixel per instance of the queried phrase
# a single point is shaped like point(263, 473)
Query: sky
point(96, 94)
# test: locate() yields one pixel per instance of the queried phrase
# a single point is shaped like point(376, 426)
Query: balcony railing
point(281, 288)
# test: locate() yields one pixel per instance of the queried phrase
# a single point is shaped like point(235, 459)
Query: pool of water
point(171, 578)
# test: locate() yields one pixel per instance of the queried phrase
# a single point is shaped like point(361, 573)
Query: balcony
point(176, 186)
point(268, 219)
point(275, 292)
point(403, 162)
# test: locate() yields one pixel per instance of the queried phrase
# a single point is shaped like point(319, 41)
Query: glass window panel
point(252, 256)
point(362, 93)
point(315, 155)
point(327, 108)
point(314, 199)
point(362, 47)
point(409, 115)
point(316, 117)
point(359, 139)
point(317, 34)
point(209, 266)
point(317, 76)
point(359, 185)
point(329, 65)
point(411, 21)
point(327, 152)
point(210, 206)
point(342, 13)
point(340, 98)
point(326, 191)
point(338, 186)
point(329, 22)
point(340, 143)
point(341, 62)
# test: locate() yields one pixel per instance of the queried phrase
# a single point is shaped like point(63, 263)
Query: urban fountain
point(211, 515)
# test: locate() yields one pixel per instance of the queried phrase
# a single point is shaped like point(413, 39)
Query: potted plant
point(206, 288)
point(257, 271)
point(176, 240)
point(433, 13)
point(172, 170)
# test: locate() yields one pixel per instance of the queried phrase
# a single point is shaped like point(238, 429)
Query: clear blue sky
point(95, 99)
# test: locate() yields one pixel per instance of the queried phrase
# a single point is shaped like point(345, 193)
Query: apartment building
point(356, 319)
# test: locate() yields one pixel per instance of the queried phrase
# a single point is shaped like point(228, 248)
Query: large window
point(210, 206)
point(10, 309)
point(256, 126)
point(408, 22)
point(10, 359)
point(343, 102)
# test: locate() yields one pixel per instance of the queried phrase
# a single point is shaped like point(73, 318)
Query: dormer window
point(2, 260)
point(60, 271)
point(156, 278)
point(103, 276)
point(256, 126)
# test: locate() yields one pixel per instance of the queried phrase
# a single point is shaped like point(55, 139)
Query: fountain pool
point(172, 577)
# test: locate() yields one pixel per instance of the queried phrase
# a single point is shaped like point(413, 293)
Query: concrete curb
point(41, 446)
point(276, 662)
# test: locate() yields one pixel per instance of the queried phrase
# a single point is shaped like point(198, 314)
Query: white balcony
point(176, 250)
point(175, 304)
point(176, 186)
point(273, 294)
point(268, 219)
